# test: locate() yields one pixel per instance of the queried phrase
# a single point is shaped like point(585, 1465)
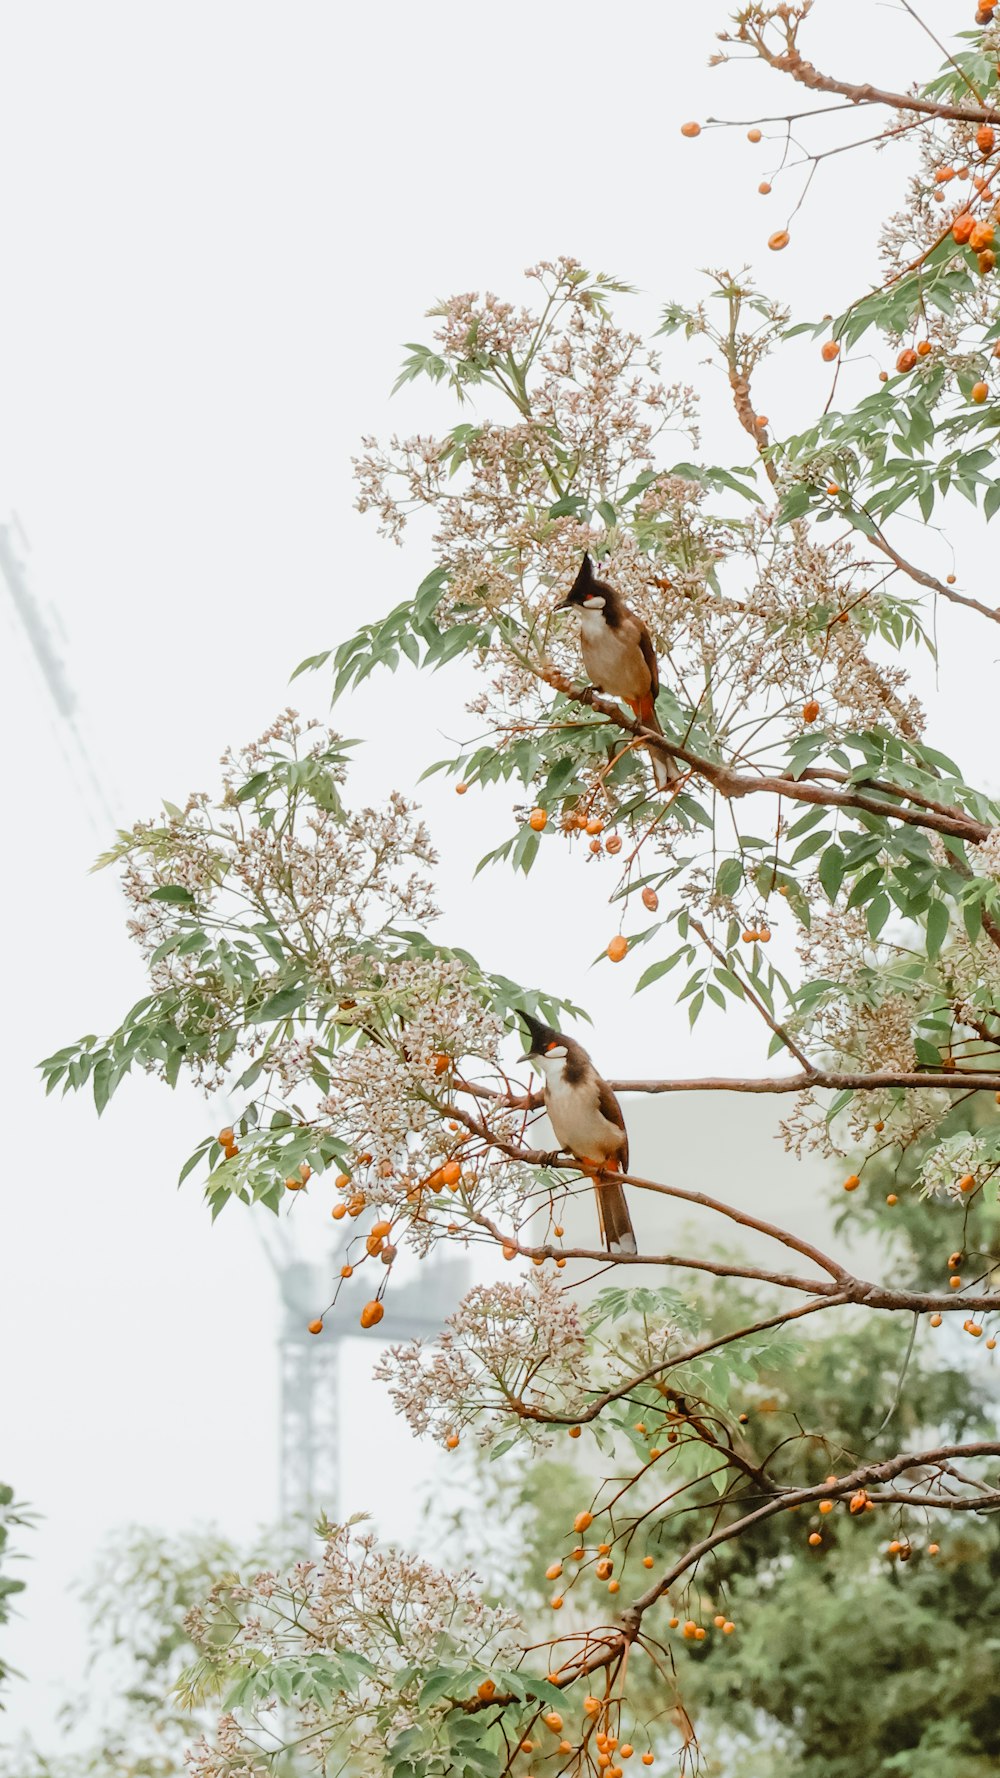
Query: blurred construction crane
point(309, 1468)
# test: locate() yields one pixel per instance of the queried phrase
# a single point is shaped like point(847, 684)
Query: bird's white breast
point(613, 661)
point(576, 1117)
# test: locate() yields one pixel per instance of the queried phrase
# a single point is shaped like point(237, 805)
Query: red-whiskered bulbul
point(619, 657)
point(587, 1120)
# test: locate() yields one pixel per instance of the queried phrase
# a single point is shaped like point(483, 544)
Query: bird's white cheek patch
point(594, 602)
point(555, 1053)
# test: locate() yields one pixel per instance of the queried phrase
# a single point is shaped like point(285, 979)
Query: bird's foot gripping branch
point(743, 773)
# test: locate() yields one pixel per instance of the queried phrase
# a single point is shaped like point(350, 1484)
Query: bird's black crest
point(539, 1035)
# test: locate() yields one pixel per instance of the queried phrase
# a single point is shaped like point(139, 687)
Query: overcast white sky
point(218, 222)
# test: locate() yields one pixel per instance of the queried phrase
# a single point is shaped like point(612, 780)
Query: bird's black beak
point(564, 603)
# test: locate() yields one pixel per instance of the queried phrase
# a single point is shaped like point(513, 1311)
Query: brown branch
point(922, 578)
point(866, 1475)
point(863, 93)
point(732, 784)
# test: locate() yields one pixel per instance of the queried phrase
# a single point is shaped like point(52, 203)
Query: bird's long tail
point(617, 1232)
point(666, 770)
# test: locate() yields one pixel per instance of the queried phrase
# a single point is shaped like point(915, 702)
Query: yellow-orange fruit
point(226, 1137)
point(753, 135)
point(851, 1183)
point(315, 1327)
point(650, 899)
point(906, 360)
point(690, 129)
point(618, 948)
point(830, 351)
point(460, 789)
point(815, 1538)
point(764, 188)
point(537, 819)
point(486, 1690)
point(583, 1521)
point(981, 236)
point(810, 710)
point(338, 1211)
point(372, 1314)
point(962, 227)
point(777, 241)
point(979, 392)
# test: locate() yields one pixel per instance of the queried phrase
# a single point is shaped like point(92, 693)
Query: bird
point(587, 1121)
point(619, 657)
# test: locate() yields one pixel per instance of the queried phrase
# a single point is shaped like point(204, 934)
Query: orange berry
point(833, 488)
point(442, 1063)
point(583, 1521)
point(451, 1173)
point(815, 1538)
point(878, 1126)
point(315, 1327)
point(508, 1252)
point(778, 240)
point(962, 228)
point(935, 1320)
point(830, 351)
point(810, 710)
point(565, 1747)
point(557, 1229)
point(230, 1150)
point(527, 1746)
point(374, 1245)
point(650, 899)
point(851, 1183)
point(826, 1506)
point(719, 1620)
point(647, 1561)
point(728, 1627)
point(614, 844)
point(603, 1569)
point(553, 1571)
point(460, 789)
point(575, 1431)
point(553, 1720)
point(985, 137)
point(342, 1181)
point(906, 360)
point(537, 819)
point(614, 1586)
point(372, 1314)
point(452, 1441)
point(764, 188)
point(226, 1137)
point(979, 392)
point(967, 1182)
point(923, 348)
point(626, 1750)
point(991, 1344)
point(338, 1211)
point(943, 175)
point(700, 1634)
point(591, 1705)
point(647, 1759)
point(891, 1198)
point(604, 1549)
point(486, 1690)
point(595, 825)
point(690, 129)
point(761, 422)
point(293, 1185)
point(753, 135)
point(933, 1549)
point(955, 1283)
point(618, 948)
point(674, 1621)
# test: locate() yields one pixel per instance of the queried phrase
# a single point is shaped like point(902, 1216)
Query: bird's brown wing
point(649, 656)
point(610, 1109)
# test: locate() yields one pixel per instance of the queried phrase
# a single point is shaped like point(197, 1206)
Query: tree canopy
point(294, 960)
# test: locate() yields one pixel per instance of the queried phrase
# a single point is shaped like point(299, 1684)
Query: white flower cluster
point(507, 1350)
point(401, 1615)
